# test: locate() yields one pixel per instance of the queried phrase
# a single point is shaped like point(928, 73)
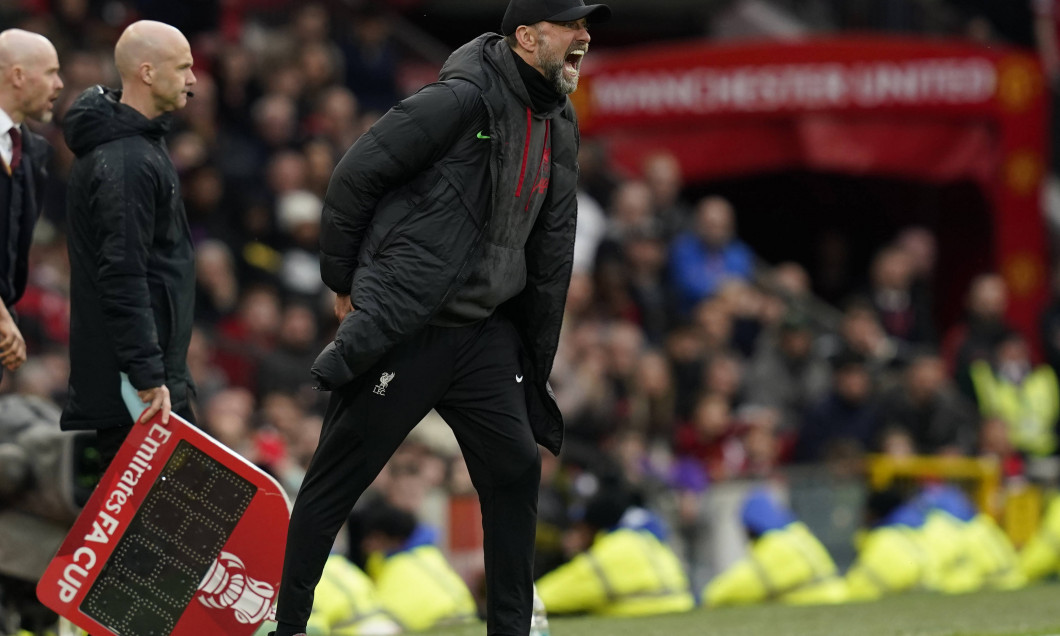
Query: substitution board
point(181, 536)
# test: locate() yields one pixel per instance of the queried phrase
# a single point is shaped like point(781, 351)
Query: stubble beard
point(552, 65)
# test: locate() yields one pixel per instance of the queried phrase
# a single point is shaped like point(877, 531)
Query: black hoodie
point(131, 261)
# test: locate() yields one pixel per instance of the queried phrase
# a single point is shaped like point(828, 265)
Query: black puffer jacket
point(401, 232)
point(131, 260)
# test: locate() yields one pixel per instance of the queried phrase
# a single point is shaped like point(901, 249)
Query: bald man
point(131, 258)
point(29, 85)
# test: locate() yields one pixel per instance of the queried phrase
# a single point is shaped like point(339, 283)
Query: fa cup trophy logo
point(227, 586)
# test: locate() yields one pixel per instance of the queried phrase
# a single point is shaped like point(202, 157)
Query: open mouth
point(573, 62)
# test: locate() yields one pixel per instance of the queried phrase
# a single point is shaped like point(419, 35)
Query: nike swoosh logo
point(481, 136)
point(518, 378)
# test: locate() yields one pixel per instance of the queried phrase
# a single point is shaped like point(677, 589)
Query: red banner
point(928, 110)
point(686, 83)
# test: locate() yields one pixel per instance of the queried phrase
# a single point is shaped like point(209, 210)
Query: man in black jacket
point(448, 235)
point(29, 85)
point(131, 258)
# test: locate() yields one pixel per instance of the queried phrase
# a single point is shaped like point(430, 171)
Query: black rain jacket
point(131, 260)
point(400, 234)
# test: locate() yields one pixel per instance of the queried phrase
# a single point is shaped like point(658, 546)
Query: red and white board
point(181, 536)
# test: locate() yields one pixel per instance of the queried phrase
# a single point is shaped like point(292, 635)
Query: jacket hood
point(482, 59)
point(762, 513)
point(910, 515)
point(97, 117)
point(949, 499)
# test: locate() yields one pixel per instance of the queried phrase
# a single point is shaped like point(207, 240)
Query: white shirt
point(6, 148)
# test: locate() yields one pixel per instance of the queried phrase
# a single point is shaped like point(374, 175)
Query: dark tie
point(16, 147)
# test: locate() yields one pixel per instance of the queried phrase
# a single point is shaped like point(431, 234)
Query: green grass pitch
point(1034, 611)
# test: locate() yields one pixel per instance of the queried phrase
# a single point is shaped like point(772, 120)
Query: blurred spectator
point(611, 284)
point(662, 173)
point(204, 199)
point(724, 376)
point(983, 326)
point(903, 314)
point(994, 442)
point(591, 228)
point(595, 175)
point(645, 254)
point(216, 286)
point(581, 383)
point(209, 379)
point(650, 407)
point(371, 59)
point(786, 562)
point(760, 440)
point(630, 211)
point(832, 271)
point(703, 259)
point(930, 410)
point(786, 373)
point(619, 566)
point(921, 247)
point(286, 368)
point(849, 414)
point(402, 556)
point(320, 163)
point(275, 118)
point(745, 306)
point(298, 216)
point(227, 417)
point(1050, 324)
point(237, 87)
point(321, 65)
point(334, 119)
point(625, 343)
point(287, 171)
point(861, 332)
point(713, 326)
point(245, 337)
point(1025, 396)
point(714, 438)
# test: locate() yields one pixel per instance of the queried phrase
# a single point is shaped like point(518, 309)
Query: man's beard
point(553, 68)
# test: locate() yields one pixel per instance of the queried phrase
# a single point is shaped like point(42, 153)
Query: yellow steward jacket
point(625, 572)
point(345, 603)
point(994, 555)
point(891, 559)
point(420, 589)
point(1030, 409)
point(788, 564)
point(1041, 556)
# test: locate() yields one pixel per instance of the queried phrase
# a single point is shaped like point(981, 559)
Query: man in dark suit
point(29, 85)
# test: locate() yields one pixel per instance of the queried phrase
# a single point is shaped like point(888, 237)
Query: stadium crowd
point(686, 361)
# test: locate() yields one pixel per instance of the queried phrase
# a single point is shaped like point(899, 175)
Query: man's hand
point(343, 306)
point(159, 400)
point(12, 345)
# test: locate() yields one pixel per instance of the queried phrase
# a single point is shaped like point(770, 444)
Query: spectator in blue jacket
point(703, 259)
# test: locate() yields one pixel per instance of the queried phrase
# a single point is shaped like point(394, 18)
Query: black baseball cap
point(533, 11)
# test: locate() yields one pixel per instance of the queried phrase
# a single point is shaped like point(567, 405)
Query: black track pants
point(472, 376)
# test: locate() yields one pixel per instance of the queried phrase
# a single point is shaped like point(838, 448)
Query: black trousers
point(472, 376)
